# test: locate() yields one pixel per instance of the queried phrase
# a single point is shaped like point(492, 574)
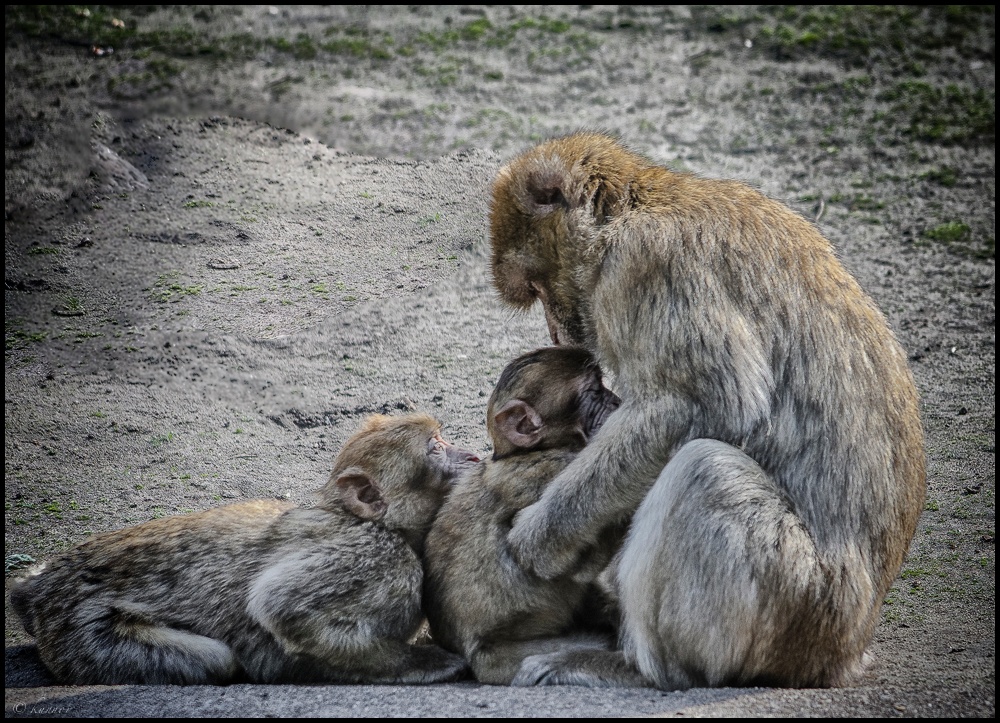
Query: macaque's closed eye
point(437, 450)
point(446, 457)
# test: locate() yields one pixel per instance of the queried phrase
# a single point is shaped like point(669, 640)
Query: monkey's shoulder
point(338, 537)
point(539, 464)
point(314, 522)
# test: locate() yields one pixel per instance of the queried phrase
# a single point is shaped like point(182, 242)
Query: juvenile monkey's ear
point(360, 495)
point(519, 423)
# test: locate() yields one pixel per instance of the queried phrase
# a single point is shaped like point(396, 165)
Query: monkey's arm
point(602, 487)
point(497, 662)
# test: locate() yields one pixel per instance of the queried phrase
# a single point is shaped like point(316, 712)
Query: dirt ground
point(231, 232)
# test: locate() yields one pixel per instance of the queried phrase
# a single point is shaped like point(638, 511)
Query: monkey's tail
point(130, 646)
point(102, 641)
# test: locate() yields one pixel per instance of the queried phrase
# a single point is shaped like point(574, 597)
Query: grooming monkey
point(768, 444)
point(545, 407)
point(262, 591)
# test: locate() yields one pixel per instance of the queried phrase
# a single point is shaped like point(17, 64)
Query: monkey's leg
point(326, 630)
point(589, 668)
point(498, 663)
point(721, 582)
point(121, 643)
point(347, 654)
point(369, 661)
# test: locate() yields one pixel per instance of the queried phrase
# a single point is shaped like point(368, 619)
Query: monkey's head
point(551, 398)
point(396, 470)
point(548, 206)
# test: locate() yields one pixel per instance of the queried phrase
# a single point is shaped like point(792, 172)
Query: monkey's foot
point(588, 668)
point(431, 664)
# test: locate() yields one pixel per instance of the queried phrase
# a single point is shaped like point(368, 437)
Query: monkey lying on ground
point(262, 591)
point(769, 440)
point(479, 603)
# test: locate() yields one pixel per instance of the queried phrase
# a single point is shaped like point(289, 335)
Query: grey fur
point(769, 434)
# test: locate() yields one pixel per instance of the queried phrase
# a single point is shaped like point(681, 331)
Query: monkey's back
point(475, 591)
point(778, 348)
point(186, 571)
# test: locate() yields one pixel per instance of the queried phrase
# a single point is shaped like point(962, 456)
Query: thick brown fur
point(262, 591)
point(769, 428)
point(479, 602)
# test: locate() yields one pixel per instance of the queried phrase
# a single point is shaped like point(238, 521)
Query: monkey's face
point(446, 461)
point(402, 469)
point(527, 267)
point(434, 466)
point(524, 236)
point(548, 208)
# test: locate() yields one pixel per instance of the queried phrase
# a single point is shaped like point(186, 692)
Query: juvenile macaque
point(480, 603)
point(768, 444)
point(262, 591)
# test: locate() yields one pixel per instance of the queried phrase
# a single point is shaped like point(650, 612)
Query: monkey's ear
point(519, 423)
point(360, 495)
point(548, 196)
point(545, 185)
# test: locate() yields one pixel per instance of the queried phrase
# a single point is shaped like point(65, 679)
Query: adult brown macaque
point(768, 449)
point(545, 407)
point(262, 591)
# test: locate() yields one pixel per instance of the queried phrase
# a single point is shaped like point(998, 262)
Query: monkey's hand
point(538, 545)
point(599, 490)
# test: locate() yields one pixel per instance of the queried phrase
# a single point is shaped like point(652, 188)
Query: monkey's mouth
point(461, 460)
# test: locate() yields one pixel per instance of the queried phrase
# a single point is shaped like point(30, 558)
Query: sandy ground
point(246, 228)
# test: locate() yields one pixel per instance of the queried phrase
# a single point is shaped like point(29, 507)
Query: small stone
point(223, 264)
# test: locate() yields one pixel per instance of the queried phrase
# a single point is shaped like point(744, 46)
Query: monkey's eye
point(436, 444)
